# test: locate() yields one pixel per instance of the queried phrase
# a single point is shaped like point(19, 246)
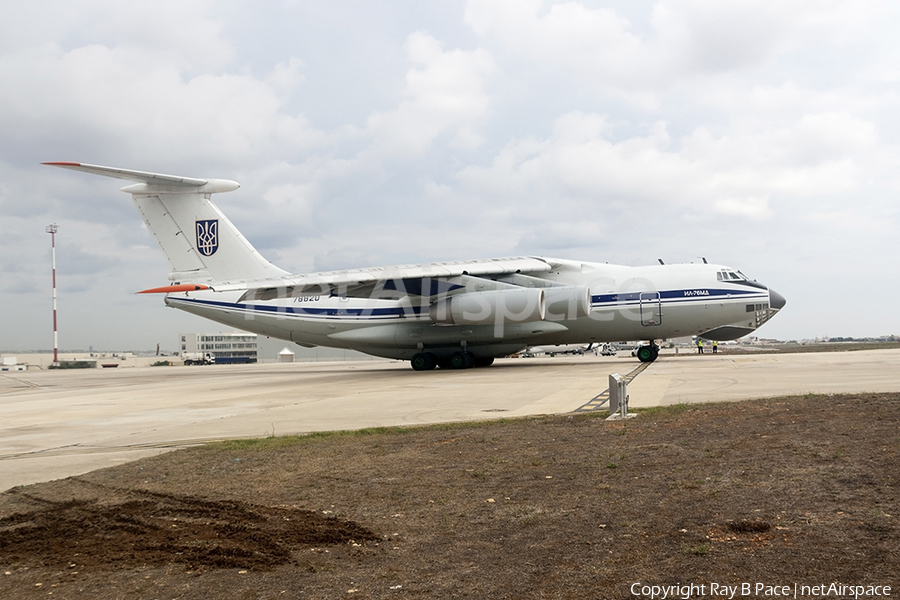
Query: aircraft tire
point(461, 360)
point(646, 354)
point(484, 361)
point(423, 361)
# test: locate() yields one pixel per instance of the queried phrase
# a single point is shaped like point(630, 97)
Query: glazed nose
point(776, 300)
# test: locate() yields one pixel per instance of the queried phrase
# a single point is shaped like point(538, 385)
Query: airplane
point(453, 315)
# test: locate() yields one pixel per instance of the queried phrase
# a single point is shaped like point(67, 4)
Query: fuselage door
point(651, 309)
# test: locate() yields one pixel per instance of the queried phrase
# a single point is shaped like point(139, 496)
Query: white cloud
point(593, 42)
point(138, 105)
point(682, 42)
point(709, 36)
point(185, 34)
point(747, 206)
point(445, 95)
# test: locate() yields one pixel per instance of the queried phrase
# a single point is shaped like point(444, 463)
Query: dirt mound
point(744, 526)
point(157, 529)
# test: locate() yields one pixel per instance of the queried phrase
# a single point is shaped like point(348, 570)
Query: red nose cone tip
point(184, 287)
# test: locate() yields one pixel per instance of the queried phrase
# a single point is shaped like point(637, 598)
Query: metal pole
point(52, 229)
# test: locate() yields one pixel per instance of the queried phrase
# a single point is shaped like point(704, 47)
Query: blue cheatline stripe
point(310, 312)
point(674, 297)
point(624, 300)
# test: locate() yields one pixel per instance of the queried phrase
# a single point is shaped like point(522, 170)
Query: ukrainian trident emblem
point(208, 236)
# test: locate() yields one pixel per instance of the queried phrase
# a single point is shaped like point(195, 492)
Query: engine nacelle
point(491, 307)
point(566, 303)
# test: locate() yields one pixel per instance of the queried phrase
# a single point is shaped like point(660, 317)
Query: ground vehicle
point(196, 358)
point(608, 350)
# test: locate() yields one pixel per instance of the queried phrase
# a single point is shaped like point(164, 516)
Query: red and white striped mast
point(52, 229)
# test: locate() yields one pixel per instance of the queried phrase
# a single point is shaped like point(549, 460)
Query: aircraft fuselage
point(626, 303)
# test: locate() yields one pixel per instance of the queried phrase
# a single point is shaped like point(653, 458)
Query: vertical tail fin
point(199, 242)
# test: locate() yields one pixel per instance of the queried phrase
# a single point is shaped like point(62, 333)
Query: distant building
point(10, 363)
point(238, 346)
point(286, 355)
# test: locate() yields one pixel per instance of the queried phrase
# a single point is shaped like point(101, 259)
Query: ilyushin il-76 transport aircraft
point(455, 315)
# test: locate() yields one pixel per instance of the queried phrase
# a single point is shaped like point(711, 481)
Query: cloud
point(129, 103)
point(704, 36)
point(187, 34)
point(579, 164)
point(445, 96)
point(729, 175)
point(672, 45)
point(553, 237)
point(598, 43)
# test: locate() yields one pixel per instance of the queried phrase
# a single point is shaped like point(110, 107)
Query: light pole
point(52, 229)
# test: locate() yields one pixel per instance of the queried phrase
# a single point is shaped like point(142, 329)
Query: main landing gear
point(647, 352)
point(423, 361)
point(426, 361)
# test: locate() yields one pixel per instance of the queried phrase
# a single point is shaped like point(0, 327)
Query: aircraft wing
point(426, 279)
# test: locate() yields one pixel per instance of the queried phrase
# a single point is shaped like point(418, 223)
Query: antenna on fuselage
point(703, 258)
point(660, 261)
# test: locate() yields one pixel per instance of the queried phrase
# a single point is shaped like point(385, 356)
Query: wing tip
point(61, 164)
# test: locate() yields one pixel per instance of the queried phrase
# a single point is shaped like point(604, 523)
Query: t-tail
point(200, 243)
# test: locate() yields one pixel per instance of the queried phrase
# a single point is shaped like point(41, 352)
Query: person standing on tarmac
point(715, 347)
point(699, 346)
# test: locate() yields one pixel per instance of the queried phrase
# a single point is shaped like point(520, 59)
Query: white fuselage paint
point(627, 303)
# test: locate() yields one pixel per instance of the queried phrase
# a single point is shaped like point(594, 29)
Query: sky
point(760, 134)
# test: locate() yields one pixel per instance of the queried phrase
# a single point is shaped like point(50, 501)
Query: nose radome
point(776, 300)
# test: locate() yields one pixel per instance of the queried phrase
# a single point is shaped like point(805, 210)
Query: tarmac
point(58, 424)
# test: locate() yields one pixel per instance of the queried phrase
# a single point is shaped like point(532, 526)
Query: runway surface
point(61, 423)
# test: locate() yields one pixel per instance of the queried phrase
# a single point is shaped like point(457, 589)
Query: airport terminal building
point(235, 347)
point(240, 346)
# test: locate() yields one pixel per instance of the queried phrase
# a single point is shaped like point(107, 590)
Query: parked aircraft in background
point(577, 349)
point(454, 314)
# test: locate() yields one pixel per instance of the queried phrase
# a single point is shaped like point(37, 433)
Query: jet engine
point(567, 302)
point(519, 305)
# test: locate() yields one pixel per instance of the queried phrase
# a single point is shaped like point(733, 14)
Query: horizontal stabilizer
point(170, 289)
point(191, 184)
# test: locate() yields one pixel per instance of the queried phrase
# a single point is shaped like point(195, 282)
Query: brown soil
point(800, 490)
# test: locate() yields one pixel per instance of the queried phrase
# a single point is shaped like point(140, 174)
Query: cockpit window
point(731, 276)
